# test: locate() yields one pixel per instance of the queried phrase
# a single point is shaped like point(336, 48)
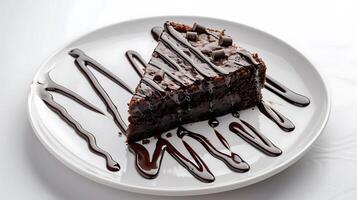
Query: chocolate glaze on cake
point(184, 82)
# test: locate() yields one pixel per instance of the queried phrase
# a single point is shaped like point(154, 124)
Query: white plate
point(108, 45)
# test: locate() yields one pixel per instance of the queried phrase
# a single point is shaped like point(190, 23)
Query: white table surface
point(325, 31)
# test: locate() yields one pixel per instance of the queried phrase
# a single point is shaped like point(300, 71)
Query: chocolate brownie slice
point(195, 73)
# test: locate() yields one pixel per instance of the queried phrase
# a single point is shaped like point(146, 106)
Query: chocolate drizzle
point(156, 32)
point(82, 61)
point(283, 122)
point(132, 56)
point(164, 37)
point(233, 161)
point(178, 37)
point(153, 85)
point(167, 71)
point(247, 55)
point(167, 42)
point(285, 93)
point(150, 168)
point(147, 167)
point(173, 64)
point(54, 87)
point(251, 135)
point(47, 98)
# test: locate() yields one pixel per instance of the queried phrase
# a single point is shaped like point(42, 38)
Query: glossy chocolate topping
point(201, 67)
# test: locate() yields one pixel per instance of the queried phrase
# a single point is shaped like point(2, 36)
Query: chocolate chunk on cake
point(195, 73)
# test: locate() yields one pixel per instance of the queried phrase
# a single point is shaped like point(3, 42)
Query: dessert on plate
point(195, 73)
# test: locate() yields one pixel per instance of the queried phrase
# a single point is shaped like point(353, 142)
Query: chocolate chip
point(198, 28)
point(192, 36)
point(159, 75)
point(225, 41)
point(218, 54)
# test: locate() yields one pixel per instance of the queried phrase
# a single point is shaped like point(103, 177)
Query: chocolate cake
point(195, 73)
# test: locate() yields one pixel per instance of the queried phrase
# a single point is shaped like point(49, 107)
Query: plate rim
point(85, 172)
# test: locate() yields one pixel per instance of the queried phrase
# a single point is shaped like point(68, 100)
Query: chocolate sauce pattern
point(54, 87)
point(132, 56)
point(169, 61)
point(167, 71)
point(233, 161)
point(284, 123)
point(153, 85)
point(82, 61)
point(251, 135)
point(173, 64)
point(178, 37)
point(285, 93)
point(47, 98)
point(150, 168)
point(164, 37)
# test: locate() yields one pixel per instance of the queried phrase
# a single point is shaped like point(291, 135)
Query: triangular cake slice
point(195, 73)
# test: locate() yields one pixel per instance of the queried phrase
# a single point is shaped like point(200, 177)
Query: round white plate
point(108, 46)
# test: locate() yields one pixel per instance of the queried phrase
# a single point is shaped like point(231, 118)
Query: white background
point(325, 31)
